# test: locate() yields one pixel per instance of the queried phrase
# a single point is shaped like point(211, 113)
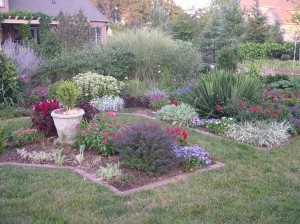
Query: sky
point(187, 4)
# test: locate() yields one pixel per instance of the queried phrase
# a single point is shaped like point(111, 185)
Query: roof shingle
point(67, 6)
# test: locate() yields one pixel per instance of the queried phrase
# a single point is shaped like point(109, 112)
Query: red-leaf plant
point(41, 116)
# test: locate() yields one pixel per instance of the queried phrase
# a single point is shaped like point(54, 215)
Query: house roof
point(282, 15)
point(53, 9)
point(283, 4)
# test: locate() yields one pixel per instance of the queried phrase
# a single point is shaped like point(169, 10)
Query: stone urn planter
point(65, 123)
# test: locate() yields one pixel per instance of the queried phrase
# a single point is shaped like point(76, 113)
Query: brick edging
point(90, 177)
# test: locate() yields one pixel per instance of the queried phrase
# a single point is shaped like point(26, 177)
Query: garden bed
point(138, 180)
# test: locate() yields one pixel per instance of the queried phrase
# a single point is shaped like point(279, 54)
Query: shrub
point(97, 134)
point(147, 147)
point(91, 85)
point(2, 139)
point(192, 157)
point(132, 101)
point(227, 59)
point(285, 57)
point(108, 61)
point(180, 114)
point(49, 45)
point(223, 89)
point(24, 58)
point(52, 89)
point(25, 136)
point(150, 49)
point(41, 116)
point(260, 133)
point(67, 94)
point(275, 78)
point(9, 89)
point(108, 103)
point(89, 109)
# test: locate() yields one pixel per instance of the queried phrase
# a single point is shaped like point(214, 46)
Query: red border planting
point(90, 177)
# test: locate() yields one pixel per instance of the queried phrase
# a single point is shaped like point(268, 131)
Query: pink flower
point(218, 106)
point(16, 142)
point(111, 114)
point(86, 130)
point(79, 131)
point(105, 134)
point(104, 142)
point(93, 124)
point(109, 126)
point(77, 126)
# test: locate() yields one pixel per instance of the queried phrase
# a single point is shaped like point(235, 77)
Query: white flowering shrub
point(260, 133)
point(108, 103)
point(91, 85)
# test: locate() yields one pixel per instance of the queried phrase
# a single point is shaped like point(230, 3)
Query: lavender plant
point(192, 157)
point(196, 121)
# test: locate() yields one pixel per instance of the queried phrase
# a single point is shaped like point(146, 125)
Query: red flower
point(86, 130)
point(173, 102)
point(184, 135)
point(218, 106)
point(104, 142)
point(77, 125)
point(253, 109)
point(111, 114)
point(105, 134)
point(93, 124)
point(79, 131)
point(274, 115)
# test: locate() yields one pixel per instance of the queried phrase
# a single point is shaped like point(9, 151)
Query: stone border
point(90, 177)
point(221, 137)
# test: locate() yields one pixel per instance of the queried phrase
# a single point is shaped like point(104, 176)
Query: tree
point(73, 31)
point(276, 35)
point(258, 28)
point(158, 17)
point(182, 27)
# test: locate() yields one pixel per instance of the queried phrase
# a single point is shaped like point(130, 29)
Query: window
point(97, 35)
point(1, 2)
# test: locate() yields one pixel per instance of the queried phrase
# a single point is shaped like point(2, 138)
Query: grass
point(14, 124)
point(254, 187)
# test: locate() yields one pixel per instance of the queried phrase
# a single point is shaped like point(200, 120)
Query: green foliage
point(58, 157)
point(177, 115)
point(67, 94)
point(158, 16)
point(9, 88)
point(25, 136)
point(225, 89)
point(221, 126)
point(49, 45)
point(227, 59)
point(52, 89)
point(107, 61)
point(275, 78)
point(2, 139)
point(109, 172)
point(8, 112)
point(150, 49)
point(97, 134)
point(91, 85)
point(182, 27)
point(254, 51)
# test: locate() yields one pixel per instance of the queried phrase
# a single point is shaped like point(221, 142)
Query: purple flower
point(24, 78)
point(187, 153)
point(196, 121)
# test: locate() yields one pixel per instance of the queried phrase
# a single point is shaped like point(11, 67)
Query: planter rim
point(54, 114)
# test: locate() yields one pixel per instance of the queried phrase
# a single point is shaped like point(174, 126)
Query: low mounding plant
point(109, 172)
point(177, 115)
point(41, 116)
point(9, 88)
point(192, 157)
point(2, 139)
point(147, 147)
point(223, 89)
point(109, 103)
point(91, 85)
point(260, 133)
point(98, 133)
point(220, 126)
point(67, 94)
point(25, 136)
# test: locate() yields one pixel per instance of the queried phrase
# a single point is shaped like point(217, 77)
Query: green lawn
point(14, 124)
point(254, 187)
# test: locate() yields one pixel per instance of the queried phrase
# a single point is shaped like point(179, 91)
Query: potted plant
point(66, 118)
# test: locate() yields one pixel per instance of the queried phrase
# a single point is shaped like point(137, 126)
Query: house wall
point(4, 8)
point(102, 26)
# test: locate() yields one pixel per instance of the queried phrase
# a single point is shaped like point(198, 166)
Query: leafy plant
point(97, 134)
point(227, 59)
point(52, 89)
point(147, 147)
point(58, 157)
point(8, 112)
point(109, 172)
point(9, 88)
point(179, 115)
point(192, 157)
point(67, 94)
point(91, 85)
point(132, 101)
point(35, 156)
point(260, 133)
point(220, 126)
point(221, 88)
point(25, 136)
point(41, 116)
point(108, 103)
point(89, 109)
point(2, 139)
point(181, 136)
point(80, 156)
